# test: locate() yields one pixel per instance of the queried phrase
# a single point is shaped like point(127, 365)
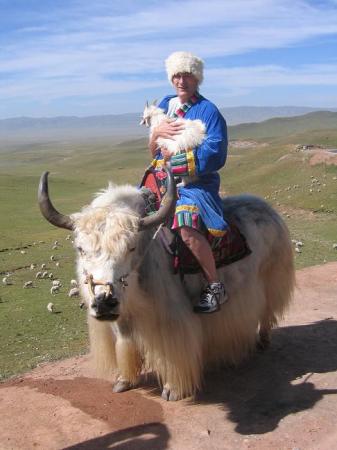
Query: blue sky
point(81, 57)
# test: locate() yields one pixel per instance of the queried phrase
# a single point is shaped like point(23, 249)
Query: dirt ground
point(284, 398)
point(323, 156)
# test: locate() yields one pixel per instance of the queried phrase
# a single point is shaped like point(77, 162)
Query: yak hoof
point(169, 394)
point(121, 386)
point(264, 342)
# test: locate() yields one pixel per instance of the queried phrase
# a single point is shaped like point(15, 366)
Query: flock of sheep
point(44, 274)
point(314, 186)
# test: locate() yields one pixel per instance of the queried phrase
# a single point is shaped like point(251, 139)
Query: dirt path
point(284, 398)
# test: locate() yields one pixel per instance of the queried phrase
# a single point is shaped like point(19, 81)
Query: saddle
point(230, 248)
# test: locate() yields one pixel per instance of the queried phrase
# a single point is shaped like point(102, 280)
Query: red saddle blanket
point(230, 248)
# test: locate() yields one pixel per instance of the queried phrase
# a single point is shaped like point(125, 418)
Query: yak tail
point(102, 348)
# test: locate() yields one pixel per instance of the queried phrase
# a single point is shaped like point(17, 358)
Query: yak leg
point(169, 394)
point(266, 325)
point(128, 361)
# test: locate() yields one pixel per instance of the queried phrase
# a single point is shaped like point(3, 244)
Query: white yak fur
point(157, 329)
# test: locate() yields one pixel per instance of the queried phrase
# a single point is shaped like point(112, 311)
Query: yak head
point(108, 239)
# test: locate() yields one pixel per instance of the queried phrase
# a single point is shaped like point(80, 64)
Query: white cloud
point(99, 48)
point(265, 76)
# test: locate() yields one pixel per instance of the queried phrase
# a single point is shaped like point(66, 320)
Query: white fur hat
point(180, 62)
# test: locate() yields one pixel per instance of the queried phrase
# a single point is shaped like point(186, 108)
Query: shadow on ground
point(152, 436)
point(135, 420)
point(277, 382)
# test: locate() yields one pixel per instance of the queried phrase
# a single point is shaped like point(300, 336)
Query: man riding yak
point(140, 317)
point(199, 207)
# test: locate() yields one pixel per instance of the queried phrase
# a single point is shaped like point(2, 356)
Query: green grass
point(29, 333)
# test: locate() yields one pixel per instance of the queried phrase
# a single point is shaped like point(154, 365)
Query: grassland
point(272, 168)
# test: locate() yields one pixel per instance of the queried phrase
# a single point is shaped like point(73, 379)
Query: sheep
point(38, 275)
point(68, 237)
point(57, 264)
point(74, 292)
point(32, 266)
point(28, 284)
point(23, 252)
point(56, 243)
point(54, 290)
point(73, 283)
point(6, 281)
point(50, 307)
point(56, 283)
point(52, 258)
point(51, 276)
point(43, 266)
point(54, 247)
point(44, 274)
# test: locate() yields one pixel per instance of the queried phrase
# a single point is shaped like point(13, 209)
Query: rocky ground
point(284, 398)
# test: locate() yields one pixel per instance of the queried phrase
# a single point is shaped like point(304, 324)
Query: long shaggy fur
point(157, 329)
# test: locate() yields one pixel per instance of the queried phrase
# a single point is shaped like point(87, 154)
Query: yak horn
point(47, 209)
point(167, 205)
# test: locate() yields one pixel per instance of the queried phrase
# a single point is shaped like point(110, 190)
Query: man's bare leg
point(202, 251)
point(214, 294)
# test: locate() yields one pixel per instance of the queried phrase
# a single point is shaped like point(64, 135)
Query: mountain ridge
point(127, 126)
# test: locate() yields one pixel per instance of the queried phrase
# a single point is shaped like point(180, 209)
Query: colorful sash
point(182, 110)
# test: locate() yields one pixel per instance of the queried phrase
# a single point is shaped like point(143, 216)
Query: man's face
point(185, 84)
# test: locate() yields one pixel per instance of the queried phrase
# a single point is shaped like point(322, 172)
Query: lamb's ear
point(154, 103)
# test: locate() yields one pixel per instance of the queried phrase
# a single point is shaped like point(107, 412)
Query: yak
point(140, 313)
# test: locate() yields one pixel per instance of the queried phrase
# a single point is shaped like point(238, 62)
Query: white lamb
point(51, 307)
point(192, 135)
point(55, 290)
point(6, 281)
point(74, 292)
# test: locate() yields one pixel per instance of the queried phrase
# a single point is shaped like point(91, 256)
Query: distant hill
point(121, 125)
point(249, 114)
point(279, 127)
point(69, 127)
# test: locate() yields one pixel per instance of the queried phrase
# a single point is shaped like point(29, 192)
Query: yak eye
point(132, 249)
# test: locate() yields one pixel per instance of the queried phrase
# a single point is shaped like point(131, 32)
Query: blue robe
point(199, 204)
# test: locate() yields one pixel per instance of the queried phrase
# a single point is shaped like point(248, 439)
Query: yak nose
point(104, 304)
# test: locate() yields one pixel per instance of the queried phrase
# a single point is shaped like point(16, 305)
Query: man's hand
point(166, 153)
point(168, 129)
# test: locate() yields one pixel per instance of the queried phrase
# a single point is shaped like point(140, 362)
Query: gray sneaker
point(212, 297)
